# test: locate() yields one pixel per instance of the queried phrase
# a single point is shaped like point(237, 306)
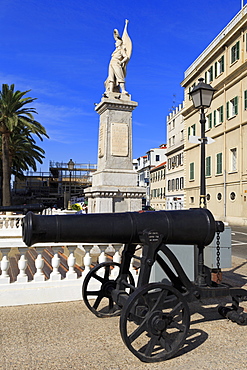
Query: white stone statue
point(115, 81)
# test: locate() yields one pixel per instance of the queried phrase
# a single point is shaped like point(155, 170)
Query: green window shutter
point(232, 54)
point(205, 78)
point(193, 130)
point(208, 166)
point(210, 120)
point(211, 73)
point(236, 105)
point(245, 99)
point(227, 110)
point(214, 117)
point(221, 114)
point(215, 69)
point(188, 132)
point(219, 163)
point(192, 171)
point(223, 63)
point(237, 50)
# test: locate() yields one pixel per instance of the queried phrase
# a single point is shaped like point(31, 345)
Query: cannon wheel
point(100, 301)
point(154, 322)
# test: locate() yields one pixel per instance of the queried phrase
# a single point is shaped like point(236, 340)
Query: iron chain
point(218, 255)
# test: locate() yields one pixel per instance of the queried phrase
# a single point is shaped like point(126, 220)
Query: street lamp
point(202, 95)
point(71, 166)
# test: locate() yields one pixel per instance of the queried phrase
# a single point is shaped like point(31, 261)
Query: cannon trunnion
point(154, 317)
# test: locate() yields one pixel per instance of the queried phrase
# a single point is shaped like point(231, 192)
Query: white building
point(144, 164)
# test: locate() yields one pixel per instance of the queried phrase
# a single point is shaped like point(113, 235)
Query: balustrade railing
point(46, 272)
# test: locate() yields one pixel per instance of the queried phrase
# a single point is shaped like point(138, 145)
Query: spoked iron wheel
point(97, 287)
point(154, 322)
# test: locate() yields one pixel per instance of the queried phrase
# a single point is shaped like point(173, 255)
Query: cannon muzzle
point(193, 226)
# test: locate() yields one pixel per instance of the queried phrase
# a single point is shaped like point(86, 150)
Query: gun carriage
point(154, 317)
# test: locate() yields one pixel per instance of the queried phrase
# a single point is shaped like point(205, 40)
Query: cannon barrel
point(193, 226)
point(24, 208)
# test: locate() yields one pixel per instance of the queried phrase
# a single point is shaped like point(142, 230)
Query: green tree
point(16, 118)
point(23, 152)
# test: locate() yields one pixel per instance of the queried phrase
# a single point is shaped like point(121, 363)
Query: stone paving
point(68, 336)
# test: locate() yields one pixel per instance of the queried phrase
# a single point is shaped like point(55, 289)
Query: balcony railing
point(47, 272)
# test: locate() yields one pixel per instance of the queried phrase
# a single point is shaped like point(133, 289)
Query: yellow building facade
point(223, 65)
point(158, 187)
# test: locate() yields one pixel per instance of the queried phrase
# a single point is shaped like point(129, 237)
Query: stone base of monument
point(108, 199)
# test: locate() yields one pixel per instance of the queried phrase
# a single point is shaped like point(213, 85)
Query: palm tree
point(23, 152)
point(15, 117)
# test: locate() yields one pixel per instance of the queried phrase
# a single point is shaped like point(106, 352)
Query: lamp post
point(202, 95)
point(71, 166)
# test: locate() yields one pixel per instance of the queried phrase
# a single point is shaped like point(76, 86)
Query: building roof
point(158, 167)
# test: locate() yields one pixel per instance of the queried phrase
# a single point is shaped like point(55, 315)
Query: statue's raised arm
point(115, 81)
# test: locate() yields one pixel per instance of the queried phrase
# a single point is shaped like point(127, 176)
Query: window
point(181, 183)
point(177, 183)
point(219, 66)
point(233, 159)
point(191, 131)
point(169, 185)
point(157, 157)
point(208, 166)
point(182, 158)
point(193, 128)
point(232, 108)
point(218, 116)
point(218, 163)
point(182, 135)
point(209, 121)
point(192, 171)
point(169, 163)
point(235, 52)
point(190, 89)
point(219, 196)
point(173, 184)
point(209, 75)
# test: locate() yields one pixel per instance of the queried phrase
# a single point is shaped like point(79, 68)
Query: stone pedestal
point(114, 185)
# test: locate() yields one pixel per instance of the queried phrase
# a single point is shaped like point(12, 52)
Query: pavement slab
point(68, 336)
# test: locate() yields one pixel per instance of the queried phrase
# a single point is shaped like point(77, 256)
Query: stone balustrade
point(63, 283)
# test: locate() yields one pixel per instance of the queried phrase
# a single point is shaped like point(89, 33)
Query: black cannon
point(24, 208)
point(154, 317)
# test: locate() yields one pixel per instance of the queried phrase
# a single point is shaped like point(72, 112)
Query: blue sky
point(60, 49)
